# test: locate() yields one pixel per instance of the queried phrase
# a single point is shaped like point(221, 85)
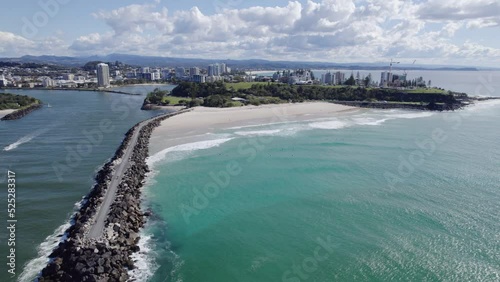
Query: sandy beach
point(5, 112)
point(188, 127)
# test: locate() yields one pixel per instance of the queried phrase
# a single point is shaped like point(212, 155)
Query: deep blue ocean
point(373, 195)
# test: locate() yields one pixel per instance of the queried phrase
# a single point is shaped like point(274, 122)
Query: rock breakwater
point(22, 112)
point(108, 258)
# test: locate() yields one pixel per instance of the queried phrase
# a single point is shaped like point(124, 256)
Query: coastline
point(80, 257)
point(107, 90)
point(201, 120)
point(18, 114)
point(5, 112)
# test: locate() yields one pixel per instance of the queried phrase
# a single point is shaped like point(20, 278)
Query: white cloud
point(477, 13)
point(322, 30)
point(16, 45)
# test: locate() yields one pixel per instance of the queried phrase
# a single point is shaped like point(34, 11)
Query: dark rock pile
point(402, 105)
point(109, 258)
point(21, 113)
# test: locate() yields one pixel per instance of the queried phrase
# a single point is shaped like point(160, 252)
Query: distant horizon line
point(343, 64)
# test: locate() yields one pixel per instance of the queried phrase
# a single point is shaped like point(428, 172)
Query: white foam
point(34, 266)
point(411, 115)
point(261, 124)
point(25, 139)
point(144, 260)
point(258, 132)
point(201, 145)
point(370, 121)
point(333, 124)
point(481, 105)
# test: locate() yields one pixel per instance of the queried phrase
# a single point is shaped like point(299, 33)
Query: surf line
point(106, 254)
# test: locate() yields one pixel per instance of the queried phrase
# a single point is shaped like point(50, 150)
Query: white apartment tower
point(103, 75)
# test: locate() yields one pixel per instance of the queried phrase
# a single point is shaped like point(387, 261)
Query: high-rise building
point(214, 70)
point(48, 82)
point(223, 68)
point(328, 78)
point(165, 74)
point(199, 78)
point(103, 75)
point(68, 76)
point(339, 77)
point(194, 71)
point(180, 72)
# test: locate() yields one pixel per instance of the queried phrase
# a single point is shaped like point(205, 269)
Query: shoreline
point(201, 120)
point(5, 112)
point(80, 257)
point(20, 113)
point(75, 89)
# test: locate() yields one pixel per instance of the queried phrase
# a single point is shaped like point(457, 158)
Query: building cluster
point(306, 77)
point(331, 78)
point(389, 79)
point(299, 76)
point(104, 75)
point(214, 72)
point(58, 77)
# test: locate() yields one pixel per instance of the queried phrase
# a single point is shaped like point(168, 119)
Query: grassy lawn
point(337, 86)
point(175, 100)
point(243, 85)
point(237, 103)
point(426, 91)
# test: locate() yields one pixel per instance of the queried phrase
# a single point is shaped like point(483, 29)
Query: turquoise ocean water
point(385, 195)
point(375, 195)
point(366, 196)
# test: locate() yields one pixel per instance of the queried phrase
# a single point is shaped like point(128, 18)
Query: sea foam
point(201, 145)
point(333, 124)
point(258, 132)
point(411, 115)
point(144, 260)
point(29, 137)
point(34, 266)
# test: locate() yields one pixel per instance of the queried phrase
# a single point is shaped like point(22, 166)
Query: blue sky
point(456, 32)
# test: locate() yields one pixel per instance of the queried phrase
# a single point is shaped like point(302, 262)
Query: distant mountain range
point(254, 64)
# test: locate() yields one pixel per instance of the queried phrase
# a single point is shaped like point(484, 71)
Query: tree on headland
point(215, 101)
point(12, 101)
point(368, 81)
point(156, 97)
point(350, 81)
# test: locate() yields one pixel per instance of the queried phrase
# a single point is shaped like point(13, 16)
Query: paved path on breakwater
point(97, 229)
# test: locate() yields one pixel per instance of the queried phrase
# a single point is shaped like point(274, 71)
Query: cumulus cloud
point(476, 13)
point(16, 45)
point(321, 30)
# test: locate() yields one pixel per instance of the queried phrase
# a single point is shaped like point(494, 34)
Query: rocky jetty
point(149, 107)
point(22, 112)
point(78, 258)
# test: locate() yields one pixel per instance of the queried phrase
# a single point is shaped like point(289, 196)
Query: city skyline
point(431, 32)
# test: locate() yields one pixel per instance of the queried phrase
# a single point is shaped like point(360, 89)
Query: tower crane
point(392, 63)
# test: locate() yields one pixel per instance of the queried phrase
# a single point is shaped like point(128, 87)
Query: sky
point(451, 32)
